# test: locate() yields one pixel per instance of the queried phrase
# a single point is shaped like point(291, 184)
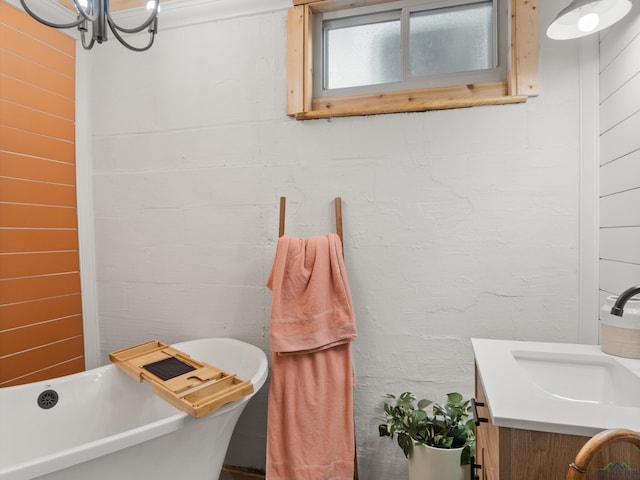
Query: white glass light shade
point(571, 22)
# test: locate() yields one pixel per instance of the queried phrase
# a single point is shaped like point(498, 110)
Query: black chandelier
point(98, 14)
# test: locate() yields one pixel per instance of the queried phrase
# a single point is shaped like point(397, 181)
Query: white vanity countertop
point(558, 387)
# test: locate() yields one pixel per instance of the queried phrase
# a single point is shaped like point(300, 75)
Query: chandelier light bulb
point(588, 22)
point(94, 19)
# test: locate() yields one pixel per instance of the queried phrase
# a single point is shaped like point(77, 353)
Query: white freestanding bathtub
point(105, 425)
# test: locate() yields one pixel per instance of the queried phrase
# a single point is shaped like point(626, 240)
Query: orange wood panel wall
point(40, 309)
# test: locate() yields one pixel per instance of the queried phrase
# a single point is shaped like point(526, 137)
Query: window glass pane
point(363, 54)
point(452, 39)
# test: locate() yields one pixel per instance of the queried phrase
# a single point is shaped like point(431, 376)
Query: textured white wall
point(457, 223)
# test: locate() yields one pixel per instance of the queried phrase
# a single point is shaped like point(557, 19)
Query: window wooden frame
point(521, 80)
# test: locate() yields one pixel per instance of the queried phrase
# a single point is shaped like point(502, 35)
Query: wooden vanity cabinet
point(514, 454)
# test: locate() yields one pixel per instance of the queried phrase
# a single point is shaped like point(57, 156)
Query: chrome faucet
point(618, 307)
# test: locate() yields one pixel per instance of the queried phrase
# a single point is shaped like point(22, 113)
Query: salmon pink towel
point(311, 305)
point(310, 413)
point(310, 416)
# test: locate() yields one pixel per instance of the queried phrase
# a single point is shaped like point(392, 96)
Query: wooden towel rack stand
point(338, 204)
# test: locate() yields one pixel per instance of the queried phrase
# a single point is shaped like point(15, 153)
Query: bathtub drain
point(48, 399)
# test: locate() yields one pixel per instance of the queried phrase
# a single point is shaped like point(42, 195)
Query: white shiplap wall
point(620, 156)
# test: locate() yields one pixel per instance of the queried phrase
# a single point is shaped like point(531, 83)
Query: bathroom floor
point(231, 473)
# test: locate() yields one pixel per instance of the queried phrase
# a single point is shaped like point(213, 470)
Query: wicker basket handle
point(578, 469)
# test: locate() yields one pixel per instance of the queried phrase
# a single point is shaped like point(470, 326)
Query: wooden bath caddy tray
point(192, 386)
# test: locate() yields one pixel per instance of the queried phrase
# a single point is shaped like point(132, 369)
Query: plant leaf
point(406, 444)
point(465, 457)
point(454, 398)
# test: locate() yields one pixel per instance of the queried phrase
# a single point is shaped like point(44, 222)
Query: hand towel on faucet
point(311, 304)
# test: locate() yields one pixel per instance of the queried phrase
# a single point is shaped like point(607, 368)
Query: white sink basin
point(558, 387)
point(580, 377)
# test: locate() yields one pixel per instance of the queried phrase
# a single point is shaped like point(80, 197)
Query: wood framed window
point(365, 57)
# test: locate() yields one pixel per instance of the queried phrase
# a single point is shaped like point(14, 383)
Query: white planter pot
point(429, 463)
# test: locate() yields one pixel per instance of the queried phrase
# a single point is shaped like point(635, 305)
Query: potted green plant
point(438, 442)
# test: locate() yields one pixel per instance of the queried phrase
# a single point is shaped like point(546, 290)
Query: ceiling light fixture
point(584, 17)
point(98, 14)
